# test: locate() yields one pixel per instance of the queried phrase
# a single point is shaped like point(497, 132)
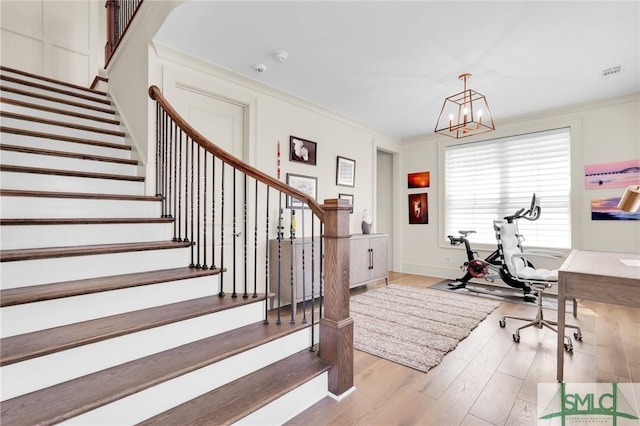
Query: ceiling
point(389, 65)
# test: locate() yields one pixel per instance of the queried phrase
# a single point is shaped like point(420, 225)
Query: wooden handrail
point(156, 94)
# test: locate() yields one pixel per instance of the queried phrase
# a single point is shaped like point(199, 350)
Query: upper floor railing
point(119, 15)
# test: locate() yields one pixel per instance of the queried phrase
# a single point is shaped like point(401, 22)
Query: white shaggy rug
point(413, 326)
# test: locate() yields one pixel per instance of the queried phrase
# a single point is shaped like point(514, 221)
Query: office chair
point(516, 263)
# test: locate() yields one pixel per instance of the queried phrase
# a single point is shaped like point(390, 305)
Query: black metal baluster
point(198, 235)
point(158, 147)
point(255, 242)
point(164, 164)
point(294, 302)
point(266, 263)
point(222, 273)
point(245, 294)
point(186, 187)
point(204, 217)
point(170, 167)
point(213, 212)
point(321, 268)
point(176, 222)
point(191, 206)
point(313, 282)
point(280, 236)
point(235, 236)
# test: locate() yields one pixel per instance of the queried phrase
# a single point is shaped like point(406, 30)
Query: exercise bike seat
point(465, 233)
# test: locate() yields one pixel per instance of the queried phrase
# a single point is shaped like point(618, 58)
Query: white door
point(222, 122)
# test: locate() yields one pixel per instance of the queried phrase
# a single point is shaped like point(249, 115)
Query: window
point(488, 180)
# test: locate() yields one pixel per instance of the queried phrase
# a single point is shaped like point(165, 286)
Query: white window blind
point(488, 180)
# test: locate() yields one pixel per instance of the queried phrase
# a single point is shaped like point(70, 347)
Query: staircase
point(102, 320)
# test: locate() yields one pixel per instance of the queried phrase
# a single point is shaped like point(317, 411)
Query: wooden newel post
point(336, 326)
point(111, 31)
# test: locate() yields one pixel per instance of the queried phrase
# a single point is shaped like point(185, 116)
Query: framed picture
point(418, 208)
point(346, 172)
point(305, 184)
point(302, 150)
point(418, 180)
point(347, 197)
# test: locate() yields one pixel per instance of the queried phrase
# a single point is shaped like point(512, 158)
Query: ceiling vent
point(610, 71)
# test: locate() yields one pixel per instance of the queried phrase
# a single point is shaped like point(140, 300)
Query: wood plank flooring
point(488, 379)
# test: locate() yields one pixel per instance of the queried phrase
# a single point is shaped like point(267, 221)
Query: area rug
point(413, 326)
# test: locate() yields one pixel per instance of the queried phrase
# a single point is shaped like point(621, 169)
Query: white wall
point(275, 116)
point(604, 131)
point(57, 39)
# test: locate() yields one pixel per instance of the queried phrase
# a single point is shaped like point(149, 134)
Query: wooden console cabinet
point(367, 263)
point(291, 262)
point(368, 259)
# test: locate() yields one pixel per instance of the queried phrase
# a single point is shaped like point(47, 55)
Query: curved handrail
point(156, 94)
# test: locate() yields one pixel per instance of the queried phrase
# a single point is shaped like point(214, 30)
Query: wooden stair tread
point(66, 154)
point(51, 80)
point(101, 100)
point(233, 401)
point(42, 342)
point(41, 120)
point(80, 195)
point(72, 173)
point(74, 397)
point(83, 221)
point(90, 250)
point(17, 91)
point(64, 138)
point(58, 111)
point(38, 293)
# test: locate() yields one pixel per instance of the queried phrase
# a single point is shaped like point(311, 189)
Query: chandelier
point(465, 114)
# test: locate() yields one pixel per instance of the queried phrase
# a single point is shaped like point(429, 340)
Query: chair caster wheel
point(502, 323)
point(578, 336)
point(568, 347)
point(516, 338)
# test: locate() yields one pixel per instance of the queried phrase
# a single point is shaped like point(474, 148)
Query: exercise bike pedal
point(491, 277)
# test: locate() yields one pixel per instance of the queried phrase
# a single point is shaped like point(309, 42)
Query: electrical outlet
point(447, 259)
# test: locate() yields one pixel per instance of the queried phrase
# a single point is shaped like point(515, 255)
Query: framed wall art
point(418, 180)
point(418, 208)
point(302, 150)
point(305, 184)
point(346, 172)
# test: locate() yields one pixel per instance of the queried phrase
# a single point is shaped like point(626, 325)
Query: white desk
point(597, 276)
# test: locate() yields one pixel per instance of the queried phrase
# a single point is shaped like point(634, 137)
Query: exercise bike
point(491, 267)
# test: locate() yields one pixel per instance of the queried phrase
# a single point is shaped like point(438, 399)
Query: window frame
point(572, 123)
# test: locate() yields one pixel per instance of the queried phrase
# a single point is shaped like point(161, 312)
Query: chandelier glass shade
point(465, 114)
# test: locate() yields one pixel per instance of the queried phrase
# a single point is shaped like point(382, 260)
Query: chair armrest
point(530, 255)
point(549, 252)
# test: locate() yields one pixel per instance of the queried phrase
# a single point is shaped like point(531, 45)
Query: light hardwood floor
point(488, 379)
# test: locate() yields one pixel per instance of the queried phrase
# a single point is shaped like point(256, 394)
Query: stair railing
point(234, 215)
point(120, 13)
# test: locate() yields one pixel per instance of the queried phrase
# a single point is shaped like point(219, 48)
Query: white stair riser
point(60, 130)
point(150, 402)
point(44, 207)
point(59, 117)
point(36, 316)
point(31, 236)
point(44, 271)
point(56, 94)
point(61, 105)
point(51, 84)
point(289, 405)
point(98, 356)
point(52, 144)
point(65, 163)
point(56, 183)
